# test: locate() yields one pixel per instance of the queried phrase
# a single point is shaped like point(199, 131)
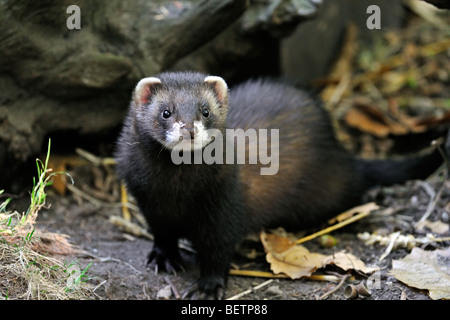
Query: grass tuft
point(27, 271)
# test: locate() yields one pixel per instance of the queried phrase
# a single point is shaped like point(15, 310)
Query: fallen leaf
point(360, 120)
point(428, 270)
point(285, 256)
point(49, 242)
point(366, 116)
point(348, 261)
point(59, 181)
point(438, 227)
point(293, 260)
point(54, 243)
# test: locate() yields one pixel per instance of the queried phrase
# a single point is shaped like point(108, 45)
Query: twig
point(130, 227)
point(94, 159)
point(256, 274)
point(339, 90)
point(98, 202)
point(337, 226)
point(124, 198)
point(427, 13)
point(235, 297)
point(263, 274)
point(174, 289)
point(113, 259)
point(99, 285)
point(339, 285)
point(144, 285)
point(390, 246)
point(434, 198)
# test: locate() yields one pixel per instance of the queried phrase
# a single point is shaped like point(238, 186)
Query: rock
point(274, 290)
point(164, 293)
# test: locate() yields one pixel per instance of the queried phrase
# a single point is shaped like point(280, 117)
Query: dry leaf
point(275, 242)
point(286, 257)
point(59, 181)
point(347, 261)
point(366, 116)
point(296, 261)
point(360, 120)
point(54, 243)
point(425, 270)
point(49, 242)
point(437, 227)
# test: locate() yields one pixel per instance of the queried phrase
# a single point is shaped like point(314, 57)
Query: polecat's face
point(178, 111)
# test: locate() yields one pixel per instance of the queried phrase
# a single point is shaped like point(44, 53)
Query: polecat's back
point(316, 178)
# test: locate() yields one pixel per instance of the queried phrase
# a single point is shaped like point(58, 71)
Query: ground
point(119, 270)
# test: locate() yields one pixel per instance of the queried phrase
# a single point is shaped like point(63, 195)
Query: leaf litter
point(286, 256)
point(424, 269)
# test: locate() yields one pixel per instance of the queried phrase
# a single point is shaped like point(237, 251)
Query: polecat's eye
point(166, 114)
point(205, 113)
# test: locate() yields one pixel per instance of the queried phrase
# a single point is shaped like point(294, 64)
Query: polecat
point(214, 204)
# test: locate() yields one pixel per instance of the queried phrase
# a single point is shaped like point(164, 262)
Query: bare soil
point(119, 270)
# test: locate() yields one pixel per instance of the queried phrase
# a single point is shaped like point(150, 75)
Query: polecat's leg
point(165, 254)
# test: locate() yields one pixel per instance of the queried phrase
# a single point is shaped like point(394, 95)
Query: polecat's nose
point(190, 129)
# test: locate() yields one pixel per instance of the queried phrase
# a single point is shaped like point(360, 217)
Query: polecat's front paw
point(159, 260)
point(207, 288)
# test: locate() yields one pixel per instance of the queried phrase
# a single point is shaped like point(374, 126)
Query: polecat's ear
point(144, 89)
point(220, 87)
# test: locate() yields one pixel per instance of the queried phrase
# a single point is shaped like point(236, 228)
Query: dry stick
point(96, 201)
point(434, 198)
point(107, 259)
point(92, 199)
point(98, 286)
point(144, 285)
point(264, 274)
point(174, 289)
point(340, 284)
point(390, 246)
point(334, 227)
point(256, 274)
point(130, 227)
point(124, 198)
point(94, 159)
point(339, 90)
point(250, 290)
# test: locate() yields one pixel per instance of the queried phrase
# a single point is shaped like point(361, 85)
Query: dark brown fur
point(316, 177)
point(215, 205)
